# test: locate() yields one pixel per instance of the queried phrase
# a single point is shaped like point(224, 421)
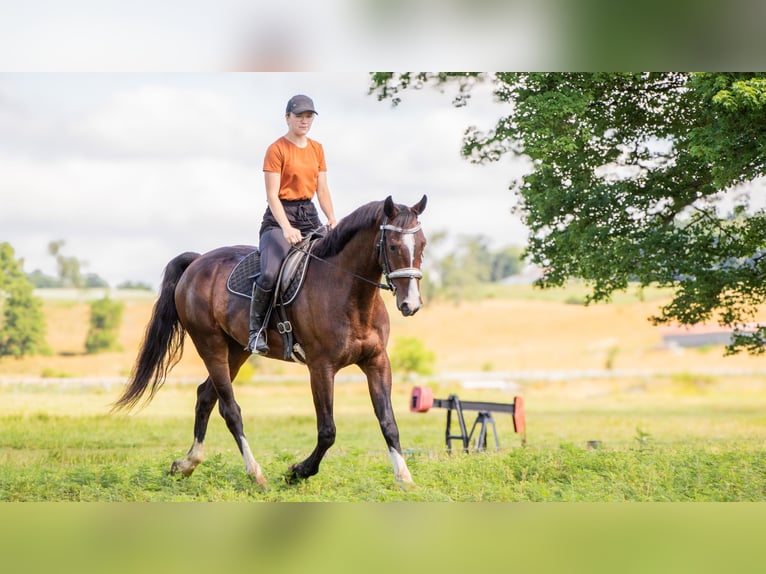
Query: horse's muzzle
point(408, 310)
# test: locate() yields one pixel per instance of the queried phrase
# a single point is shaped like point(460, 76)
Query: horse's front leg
point(378, 372)
point(206, 399)
point(322, 387)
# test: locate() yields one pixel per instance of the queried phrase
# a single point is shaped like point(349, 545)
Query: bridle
point(408, 272)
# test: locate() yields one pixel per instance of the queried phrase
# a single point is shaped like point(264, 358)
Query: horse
point(338, 317)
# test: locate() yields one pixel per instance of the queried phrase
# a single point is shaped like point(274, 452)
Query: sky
point(132, 169)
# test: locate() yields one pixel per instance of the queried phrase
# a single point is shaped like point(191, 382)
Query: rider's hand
point(292, 235)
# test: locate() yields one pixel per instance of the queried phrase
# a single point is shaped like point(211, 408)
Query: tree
point(22, 329)
point(70, 272)
point(627, 179)
point(69, 268)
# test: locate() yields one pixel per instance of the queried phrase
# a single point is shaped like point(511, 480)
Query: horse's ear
point(420, 206)
point(389, 208)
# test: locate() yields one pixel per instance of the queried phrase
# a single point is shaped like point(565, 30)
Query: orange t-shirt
point(298, 167)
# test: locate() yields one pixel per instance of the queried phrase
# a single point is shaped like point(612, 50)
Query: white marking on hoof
point(252, 468)
point(187, 465)
point(401, 472)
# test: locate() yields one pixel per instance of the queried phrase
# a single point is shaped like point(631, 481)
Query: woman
point(294, 169)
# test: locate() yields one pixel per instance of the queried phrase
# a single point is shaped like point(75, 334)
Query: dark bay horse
point(338, 317)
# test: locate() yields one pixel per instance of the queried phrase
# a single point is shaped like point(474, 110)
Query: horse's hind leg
point(232, 415)
point(378, 372)
point(206, 399)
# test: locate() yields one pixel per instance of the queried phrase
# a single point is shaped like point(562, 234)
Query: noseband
point(408, 272)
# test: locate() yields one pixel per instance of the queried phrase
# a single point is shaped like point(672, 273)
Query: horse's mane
point(363, 217)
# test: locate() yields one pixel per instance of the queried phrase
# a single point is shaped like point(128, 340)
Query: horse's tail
point(164, 339)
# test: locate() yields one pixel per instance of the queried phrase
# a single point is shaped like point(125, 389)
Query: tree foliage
point(69, 268)
point(629, 170)
point(22, 327)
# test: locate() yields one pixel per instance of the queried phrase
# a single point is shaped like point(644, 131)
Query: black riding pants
point(273, 246)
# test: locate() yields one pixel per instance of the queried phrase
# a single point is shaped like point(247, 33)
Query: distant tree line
point(70, 274)
point(468, 262)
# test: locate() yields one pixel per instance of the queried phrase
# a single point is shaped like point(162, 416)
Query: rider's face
point(300, 124)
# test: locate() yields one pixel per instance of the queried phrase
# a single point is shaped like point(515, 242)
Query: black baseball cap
point(299, 104)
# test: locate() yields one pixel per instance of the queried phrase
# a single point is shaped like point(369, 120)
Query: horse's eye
point(393, 249)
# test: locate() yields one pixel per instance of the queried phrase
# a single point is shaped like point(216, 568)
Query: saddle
point(289, 282)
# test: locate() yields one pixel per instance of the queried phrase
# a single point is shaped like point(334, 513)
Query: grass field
point(679, 428)
point(671, 440)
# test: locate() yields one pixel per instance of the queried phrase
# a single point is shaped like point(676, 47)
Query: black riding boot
point(258, 307)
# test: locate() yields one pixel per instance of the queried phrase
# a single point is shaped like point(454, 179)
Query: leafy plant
point(410, 356)
point(105, 319)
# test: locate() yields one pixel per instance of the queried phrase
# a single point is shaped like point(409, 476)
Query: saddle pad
point(243, 275)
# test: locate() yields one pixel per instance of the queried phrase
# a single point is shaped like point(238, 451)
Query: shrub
point(409, 355)
point(105, 320)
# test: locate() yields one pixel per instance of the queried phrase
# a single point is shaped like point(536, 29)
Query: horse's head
point(401, 253)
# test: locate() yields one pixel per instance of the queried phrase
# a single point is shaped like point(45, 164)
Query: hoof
point(181, 466)
point(260, 482)
point(253, 470)
point(293, 475)
point(407, 486)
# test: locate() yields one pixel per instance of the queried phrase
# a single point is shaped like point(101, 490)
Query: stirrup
point(257, 344)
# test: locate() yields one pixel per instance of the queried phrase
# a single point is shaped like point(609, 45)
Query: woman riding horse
point(294, 169)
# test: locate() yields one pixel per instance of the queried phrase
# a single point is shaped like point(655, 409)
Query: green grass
point(663, 441)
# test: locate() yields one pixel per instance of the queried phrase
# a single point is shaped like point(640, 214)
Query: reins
point(410, 272)
point(346, 271)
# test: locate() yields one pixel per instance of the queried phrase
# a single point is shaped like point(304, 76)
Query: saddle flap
point(294, 271)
